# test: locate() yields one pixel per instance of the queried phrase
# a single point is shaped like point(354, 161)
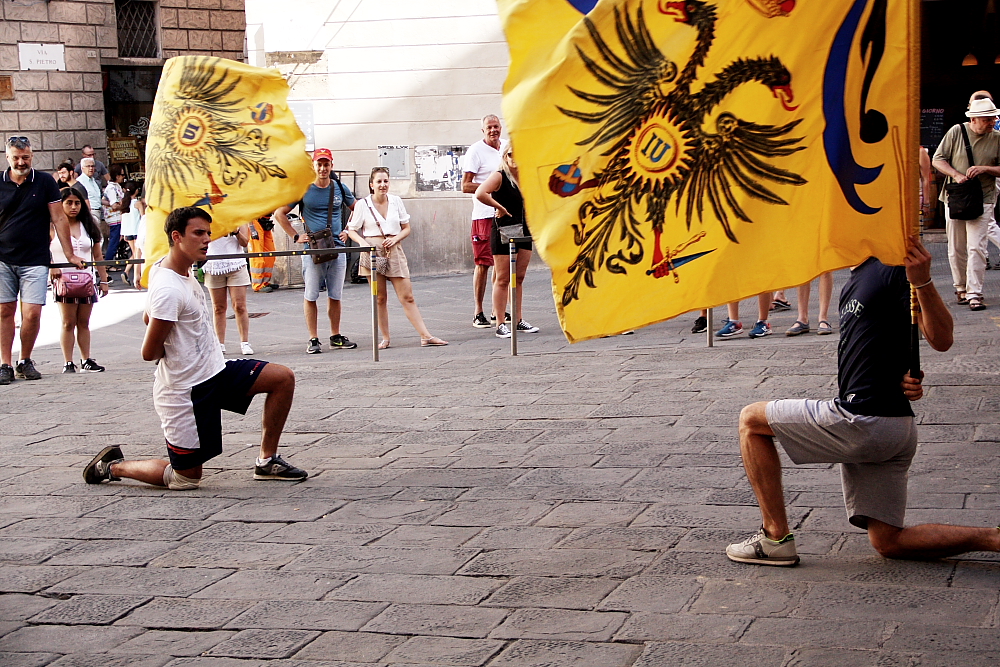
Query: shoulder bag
point(381, 254)
point(965, 200)
point(75, 284)
point(324, 238)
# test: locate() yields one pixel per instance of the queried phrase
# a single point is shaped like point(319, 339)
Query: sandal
point(384, 345)
point(779, 305)
point(824, 328)
point(960, 299)
point(797, 328)
point(433, 341)
point(976, 303)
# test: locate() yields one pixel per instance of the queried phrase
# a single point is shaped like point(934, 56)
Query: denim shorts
point(331, 272)
point(31, 282)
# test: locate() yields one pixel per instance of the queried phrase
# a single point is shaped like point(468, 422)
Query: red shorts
point(482, 228)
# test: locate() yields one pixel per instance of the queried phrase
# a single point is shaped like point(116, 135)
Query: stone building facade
point(412, 75)
point(60, 111)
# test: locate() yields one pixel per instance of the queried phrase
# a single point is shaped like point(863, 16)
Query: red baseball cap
point(322, 154)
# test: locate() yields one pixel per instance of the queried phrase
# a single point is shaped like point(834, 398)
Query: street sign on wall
point(42, 56)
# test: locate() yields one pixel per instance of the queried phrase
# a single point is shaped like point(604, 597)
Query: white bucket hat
point(982, 108)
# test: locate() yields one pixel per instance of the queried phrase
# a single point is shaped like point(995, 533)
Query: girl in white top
point(229, 277)
point(132, 209)
point(86, 238)
point(381, 220)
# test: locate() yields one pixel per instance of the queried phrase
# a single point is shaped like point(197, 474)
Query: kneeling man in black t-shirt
point(869, 429)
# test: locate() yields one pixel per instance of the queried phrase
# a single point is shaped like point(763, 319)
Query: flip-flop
point(384, 345)
point(824, 328)
point(433, 341)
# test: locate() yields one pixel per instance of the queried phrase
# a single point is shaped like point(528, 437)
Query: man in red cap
point(321, 208)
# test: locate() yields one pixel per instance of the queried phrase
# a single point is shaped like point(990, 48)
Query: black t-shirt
point(510, 197)
point(24, 237)
point(873, 354)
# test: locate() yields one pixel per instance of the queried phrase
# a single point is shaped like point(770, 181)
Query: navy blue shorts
point(229, 389)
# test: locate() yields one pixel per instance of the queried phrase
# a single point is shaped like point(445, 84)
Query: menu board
point(931, 128)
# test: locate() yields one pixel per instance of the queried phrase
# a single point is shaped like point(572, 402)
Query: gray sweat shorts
point(874, 453)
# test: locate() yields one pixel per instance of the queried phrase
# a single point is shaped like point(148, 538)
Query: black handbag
point(325, 238)
point(965, 200)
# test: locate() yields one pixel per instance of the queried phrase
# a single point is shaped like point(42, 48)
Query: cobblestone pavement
point(567, 507)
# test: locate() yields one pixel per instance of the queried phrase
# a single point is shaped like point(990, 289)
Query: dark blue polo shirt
point(24, 235)
point(873, 354)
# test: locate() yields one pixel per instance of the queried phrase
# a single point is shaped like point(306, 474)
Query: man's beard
point(21, 171)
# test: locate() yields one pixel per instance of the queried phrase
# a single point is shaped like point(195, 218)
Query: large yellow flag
point(680, 155)
point(222, 138)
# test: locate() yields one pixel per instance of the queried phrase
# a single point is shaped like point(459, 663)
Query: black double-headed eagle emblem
point(653, 130)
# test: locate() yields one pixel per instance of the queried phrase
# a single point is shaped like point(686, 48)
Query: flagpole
point(373, 281)
point(913, 142)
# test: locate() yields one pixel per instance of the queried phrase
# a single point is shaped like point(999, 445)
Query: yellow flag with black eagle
point(683, 155)
point(222, 138)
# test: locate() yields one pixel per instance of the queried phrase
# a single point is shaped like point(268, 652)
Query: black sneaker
point(700, 325)
point(26, 370)
point(493, 318)
point(480, 321)
point(278, 468)
point(69, 367)
point(339, 342)
point(90, 366)
point(315, 347)
point(6, 374)
point(99, 469)
point(526, 327)
point(503, 331)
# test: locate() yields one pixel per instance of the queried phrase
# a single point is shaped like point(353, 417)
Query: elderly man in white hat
point(967, 238)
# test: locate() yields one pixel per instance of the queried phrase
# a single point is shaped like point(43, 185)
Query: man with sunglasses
point(29, 202)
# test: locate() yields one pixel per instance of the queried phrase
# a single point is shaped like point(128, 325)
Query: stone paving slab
point(567, 507)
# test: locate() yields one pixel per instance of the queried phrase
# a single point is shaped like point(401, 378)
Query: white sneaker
point(245, 348)
point(762, 550)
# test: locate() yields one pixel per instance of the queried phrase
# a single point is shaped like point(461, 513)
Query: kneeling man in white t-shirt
point(194, 383)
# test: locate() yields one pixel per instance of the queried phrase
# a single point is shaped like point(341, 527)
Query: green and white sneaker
point(759, 549)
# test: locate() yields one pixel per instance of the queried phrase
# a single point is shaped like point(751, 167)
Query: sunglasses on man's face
point(14, 141)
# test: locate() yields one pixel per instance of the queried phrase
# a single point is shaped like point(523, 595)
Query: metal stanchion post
point(373, 281)
point(710, 328)
point(515, 316)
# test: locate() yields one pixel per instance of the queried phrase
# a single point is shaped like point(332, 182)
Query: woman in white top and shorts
point(229, 276)
point(132, 209)
point(75, 311)
point(380, 220)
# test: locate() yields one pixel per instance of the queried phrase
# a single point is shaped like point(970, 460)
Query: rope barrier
point(240, 255)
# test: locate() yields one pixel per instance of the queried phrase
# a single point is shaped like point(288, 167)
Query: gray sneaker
point(314, 346)
point(279, 469)
point(26, 370)
point(99, 469)
point(762, 550)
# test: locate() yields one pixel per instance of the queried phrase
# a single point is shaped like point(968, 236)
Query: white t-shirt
point(482, 160)
point(364, 215)
point(114, 194)
point(192, 353)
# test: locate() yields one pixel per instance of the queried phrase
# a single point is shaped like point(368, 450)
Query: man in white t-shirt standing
point(481, 160)
point(194, 383)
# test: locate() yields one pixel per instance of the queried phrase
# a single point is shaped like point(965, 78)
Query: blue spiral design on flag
point(583, 6)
